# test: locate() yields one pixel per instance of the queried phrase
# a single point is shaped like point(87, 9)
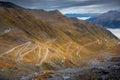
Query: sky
point(70, 6)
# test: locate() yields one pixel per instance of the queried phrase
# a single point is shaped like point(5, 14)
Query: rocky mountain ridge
point(110, 19)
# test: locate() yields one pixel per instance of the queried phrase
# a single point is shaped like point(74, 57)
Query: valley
point(38, 41)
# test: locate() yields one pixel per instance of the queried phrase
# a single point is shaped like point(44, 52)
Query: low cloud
point(83, 18)
point(116, 32)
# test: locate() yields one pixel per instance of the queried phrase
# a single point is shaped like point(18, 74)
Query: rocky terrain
point(35, 41)
point(109, 69)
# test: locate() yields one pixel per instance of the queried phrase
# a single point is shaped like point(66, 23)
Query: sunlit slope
point(49, 42)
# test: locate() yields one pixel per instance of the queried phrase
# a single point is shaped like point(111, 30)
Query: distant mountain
point(110, 19)
point(33, 41)
point(82, 15)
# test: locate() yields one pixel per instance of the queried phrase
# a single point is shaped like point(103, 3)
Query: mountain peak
point(56, 12)
point(110, 19)
point(8, 4)
point(113, 12)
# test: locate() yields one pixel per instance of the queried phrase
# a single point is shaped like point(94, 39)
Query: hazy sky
point(70, 6)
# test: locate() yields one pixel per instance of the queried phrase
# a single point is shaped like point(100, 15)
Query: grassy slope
point(70, 43)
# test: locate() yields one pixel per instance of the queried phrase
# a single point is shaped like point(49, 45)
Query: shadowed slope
point(110, 19)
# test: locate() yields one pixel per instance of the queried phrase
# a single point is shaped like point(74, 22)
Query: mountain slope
point(110, 19)
point(37, 40)
point(8, 5)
